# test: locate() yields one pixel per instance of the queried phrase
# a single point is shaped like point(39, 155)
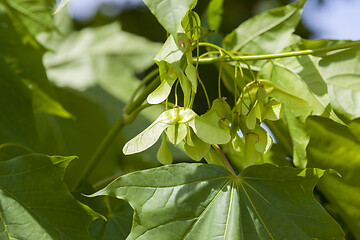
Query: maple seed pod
point(250, 155)
point(164, 155)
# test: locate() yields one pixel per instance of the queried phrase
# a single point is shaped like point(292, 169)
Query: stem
point(106, 142)
point(11, 144)
point(129, 113)
point(220, 49)
point(226, 161)
point(176, 96)
point(149, 89)
point(219, 80)
point(208, 53)
point(148, 77)
point(205, 92)
point(104, 182)
point(168, 104)
point(131, 117)
point(192, 100)
point(276, 55)
point(100, 151)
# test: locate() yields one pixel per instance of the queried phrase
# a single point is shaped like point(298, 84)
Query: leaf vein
point(257, 213)
point(205, 209)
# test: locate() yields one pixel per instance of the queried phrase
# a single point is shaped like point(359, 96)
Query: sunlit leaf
point(272, 110)
point(342, 73)
point(43, 103)
point(162, 92)
point(209, 132)
point(191, 24)
point(295, 103)
point(264, 142)
point(191, 73)
point(170, 52)
point(255, 113)
point(288, 74)
point(263, 202)
point(170, 12)
point(251, 154)
point(292, 102)
point(267, 32)
point(300, 138)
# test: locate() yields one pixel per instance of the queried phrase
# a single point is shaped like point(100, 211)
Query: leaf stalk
point(226, 161)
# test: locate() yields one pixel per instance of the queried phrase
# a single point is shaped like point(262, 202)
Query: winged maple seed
point(176, 122)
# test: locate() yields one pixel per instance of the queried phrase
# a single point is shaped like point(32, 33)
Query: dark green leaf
point(333, 146)
point(12, 150)
point(17, 123)
point(30, 17)
point(25, 87)
point(35, 203)
point(117, 224)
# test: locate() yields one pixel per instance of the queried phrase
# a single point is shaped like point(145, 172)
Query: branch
point(276, 55)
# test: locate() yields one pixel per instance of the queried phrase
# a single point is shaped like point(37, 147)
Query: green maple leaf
point(34, 201)
point(200, 201)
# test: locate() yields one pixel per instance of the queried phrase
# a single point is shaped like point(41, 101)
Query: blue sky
point(336, 19)
point(109, 7)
